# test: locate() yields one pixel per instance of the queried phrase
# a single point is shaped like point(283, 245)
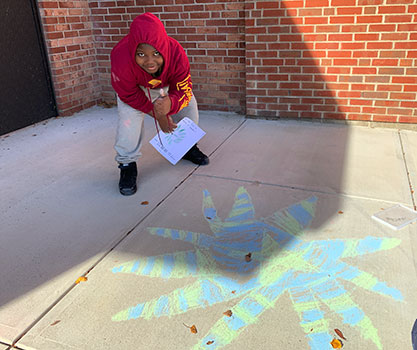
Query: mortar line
point(300, 188)
point(407, 171)
point(115, 245)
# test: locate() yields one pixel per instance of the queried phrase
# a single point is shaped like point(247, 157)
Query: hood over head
point(148, 29)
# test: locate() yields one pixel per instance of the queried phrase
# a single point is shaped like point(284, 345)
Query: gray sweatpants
point(130, 130)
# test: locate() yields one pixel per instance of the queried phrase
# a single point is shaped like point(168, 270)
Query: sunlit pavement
point(272, 245)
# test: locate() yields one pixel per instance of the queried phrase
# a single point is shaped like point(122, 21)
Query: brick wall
point(332, 59)
point(211, 32)
point(70, 43)
point(325, 59)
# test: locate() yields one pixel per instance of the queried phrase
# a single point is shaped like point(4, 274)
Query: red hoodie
point(127, 76)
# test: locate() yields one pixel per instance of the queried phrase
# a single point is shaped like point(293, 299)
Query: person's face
point(148, 58)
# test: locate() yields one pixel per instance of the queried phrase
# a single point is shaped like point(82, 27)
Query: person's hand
point(162, 104)
point(166, 123)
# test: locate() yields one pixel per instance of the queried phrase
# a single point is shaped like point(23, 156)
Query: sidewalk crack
point(407, 170)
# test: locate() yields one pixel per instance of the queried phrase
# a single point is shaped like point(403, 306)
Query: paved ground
point(271, 245)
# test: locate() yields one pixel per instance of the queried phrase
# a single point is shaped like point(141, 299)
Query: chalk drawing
point(176, 137)
point(309, 272)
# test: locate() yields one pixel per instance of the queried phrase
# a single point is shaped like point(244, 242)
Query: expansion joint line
point(407, 171)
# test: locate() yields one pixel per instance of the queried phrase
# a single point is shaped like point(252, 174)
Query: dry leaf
point(144, 203)
point(56, 322)
point(210, 342)
point(336, 344)
point(340, 212)
point(228, 313)
point(340, 334)
point(208, 217)
point(81, 279)
point(248, 257)
point(193, 328)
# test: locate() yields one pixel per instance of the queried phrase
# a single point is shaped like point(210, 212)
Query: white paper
point(396, 217)
point(176, 144)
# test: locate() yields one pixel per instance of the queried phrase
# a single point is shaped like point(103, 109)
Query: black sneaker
point(128, 175)
point(196, 156)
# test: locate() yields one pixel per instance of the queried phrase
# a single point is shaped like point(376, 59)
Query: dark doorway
point(26, 92)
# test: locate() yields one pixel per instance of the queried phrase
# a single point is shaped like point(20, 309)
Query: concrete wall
point(322, 59)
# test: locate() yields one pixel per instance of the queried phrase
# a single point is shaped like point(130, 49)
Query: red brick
point(310, 115)
point(387, 103)
point(412, 45)
point(363, 70)
point(365, 54)
point(340, 116)
point(385, 118)
point(349, 10)
point(410, 88)
point(340, 37)
point(273, 13)
point(375, 94)
point(267, 4)
point(369, 2)
point(359, 117)
point(292, 3)
point(318, 37)
point(345, 62)
point(310, 12)
point(382, 27)
point(327, 29)
point(366, 37)
point(391, 54)
point(342, 19)
point(355, 28)
point(339, 53)
point(391, 71)
point(400, 111)
point(316, 3)
point(48, 4)
point(374, 110)
point(338, 70)
point(408, 104)
point(316, 20)
point(369, 19)
point(352, 46)
point(360, 102)
point(348, 109)
point(391, 9)
point(403, 119)
point(377, 79)
point(343, 2)
point(363, 87)
point(398, 18)
point(389, 87)
point(269, 38)
point(385, 62)
point(379, 45)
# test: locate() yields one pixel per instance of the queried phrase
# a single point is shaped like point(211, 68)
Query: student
point(150, 73)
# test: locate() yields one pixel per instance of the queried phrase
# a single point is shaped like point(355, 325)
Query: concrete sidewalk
point(271, 245)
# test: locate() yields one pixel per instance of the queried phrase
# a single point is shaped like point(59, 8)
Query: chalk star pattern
point(309, 272)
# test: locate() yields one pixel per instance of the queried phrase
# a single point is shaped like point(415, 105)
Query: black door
point(26, 93)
